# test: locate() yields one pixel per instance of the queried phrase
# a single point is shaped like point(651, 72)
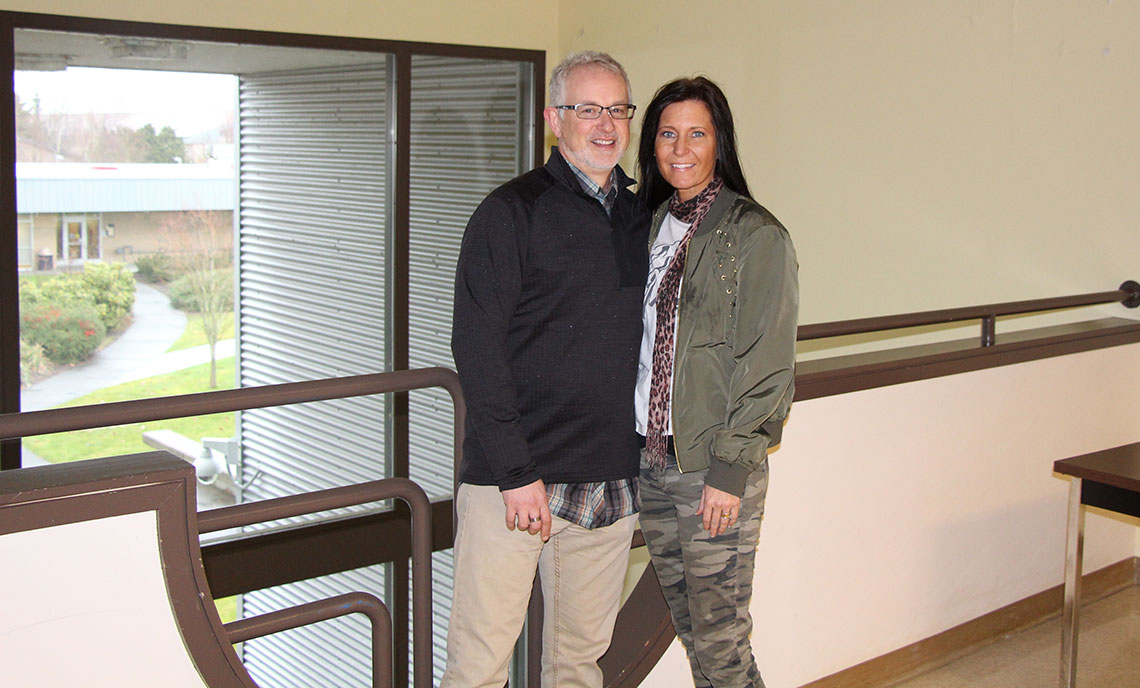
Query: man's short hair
point(584, 58)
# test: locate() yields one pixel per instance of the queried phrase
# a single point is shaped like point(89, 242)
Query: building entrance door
point(79, 239)
point(74, 238)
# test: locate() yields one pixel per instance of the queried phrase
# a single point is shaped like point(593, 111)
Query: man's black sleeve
point(488, 285)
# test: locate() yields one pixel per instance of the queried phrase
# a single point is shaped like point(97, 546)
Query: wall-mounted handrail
point(1128, 294)
point(26, 424)
point(31, 423)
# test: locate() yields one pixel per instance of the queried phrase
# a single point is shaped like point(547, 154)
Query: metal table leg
point(1074, 551)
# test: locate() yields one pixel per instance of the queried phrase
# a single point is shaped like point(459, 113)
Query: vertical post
point(989, 330)
point(398, 271)
point(9, 283)
point(533, 633)
point(1074, 550)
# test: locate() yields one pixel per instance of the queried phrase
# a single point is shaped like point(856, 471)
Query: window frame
point(402, 52)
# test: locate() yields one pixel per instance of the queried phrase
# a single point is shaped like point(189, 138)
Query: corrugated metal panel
point(468, 119)
point(314, 209)
point(332, 654)
point(313, 197)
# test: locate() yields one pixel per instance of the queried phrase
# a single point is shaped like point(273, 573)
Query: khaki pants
point(582, 575)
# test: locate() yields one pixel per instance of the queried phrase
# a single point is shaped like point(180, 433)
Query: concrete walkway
point(138, 353)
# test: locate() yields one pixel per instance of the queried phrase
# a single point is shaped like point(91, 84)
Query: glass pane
point(312, 252)
point(470, 133)
point(75, 235)
point(111, 248)
point(92, 235)
point(257, 178)
point(313, 241)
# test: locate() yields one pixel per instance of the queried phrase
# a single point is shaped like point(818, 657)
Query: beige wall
point(499, 23)
point(922, 154)
point(894, 514)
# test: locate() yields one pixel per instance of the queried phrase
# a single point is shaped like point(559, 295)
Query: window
point(357, 165)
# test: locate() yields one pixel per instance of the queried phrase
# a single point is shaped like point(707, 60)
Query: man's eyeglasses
point(594, 111)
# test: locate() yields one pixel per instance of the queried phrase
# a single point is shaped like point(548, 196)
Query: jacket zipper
point(676, 352)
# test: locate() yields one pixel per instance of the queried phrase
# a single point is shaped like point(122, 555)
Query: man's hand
point(528, 509)
point(719, 510)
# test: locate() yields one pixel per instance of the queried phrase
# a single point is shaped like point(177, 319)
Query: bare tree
point(89, 137)
point(202, 247)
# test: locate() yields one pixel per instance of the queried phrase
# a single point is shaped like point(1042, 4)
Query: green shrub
point(68, 334)
point(109, 288)
point(155, 268)
point(61, 290)
point(112, 288)
point(33, 361)
point(216, 285)
point(29, 292)
point(181, 295)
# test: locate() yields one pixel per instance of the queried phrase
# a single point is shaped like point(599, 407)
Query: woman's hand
point(719, 510)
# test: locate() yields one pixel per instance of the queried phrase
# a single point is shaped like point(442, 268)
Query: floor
point(1108, 653)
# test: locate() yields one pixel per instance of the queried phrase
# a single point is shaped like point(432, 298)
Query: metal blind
point(313, 231)
point(469, 133)
point(314, 217)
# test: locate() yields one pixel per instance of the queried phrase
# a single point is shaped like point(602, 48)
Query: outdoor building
point(70, 213)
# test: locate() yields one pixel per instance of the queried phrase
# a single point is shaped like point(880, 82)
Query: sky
point(188, 102)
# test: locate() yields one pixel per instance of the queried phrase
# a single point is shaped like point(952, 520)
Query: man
point(545, 336)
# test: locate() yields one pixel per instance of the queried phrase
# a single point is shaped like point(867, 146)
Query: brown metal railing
point(29, 423)
point(363, 603)
point(1128, 294)
point(14, 425)
point(323, 610)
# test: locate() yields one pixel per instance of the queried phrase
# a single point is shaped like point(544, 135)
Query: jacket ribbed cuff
point(729, 477)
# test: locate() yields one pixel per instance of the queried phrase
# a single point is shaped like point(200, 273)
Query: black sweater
point(546, 331)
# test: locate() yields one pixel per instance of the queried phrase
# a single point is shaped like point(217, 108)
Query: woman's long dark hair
point(653, 188)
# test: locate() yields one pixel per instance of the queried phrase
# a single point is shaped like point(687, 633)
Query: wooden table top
point(1119, 466)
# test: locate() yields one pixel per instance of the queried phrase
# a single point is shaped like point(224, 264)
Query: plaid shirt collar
point(605, 195)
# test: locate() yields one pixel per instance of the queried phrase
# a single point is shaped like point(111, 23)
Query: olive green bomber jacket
point(734, 367)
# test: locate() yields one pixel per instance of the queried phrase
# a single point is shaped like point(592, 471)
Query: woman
point(716, 373)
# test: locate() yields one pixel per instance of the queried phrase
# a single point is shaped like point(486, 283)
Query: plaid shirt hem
point(594, 505)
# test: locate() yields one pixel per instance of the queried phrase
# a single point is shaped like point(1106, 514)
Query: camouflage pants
point(706, 581)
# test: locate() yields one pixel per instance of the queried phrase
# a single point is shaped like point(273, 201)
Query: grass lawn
point(194, 335)
point(127, 439)
point(227, 608)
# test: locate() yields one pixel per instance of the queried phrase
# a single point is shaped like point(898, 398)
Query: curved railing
point(353, 603)
point(14, 425)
